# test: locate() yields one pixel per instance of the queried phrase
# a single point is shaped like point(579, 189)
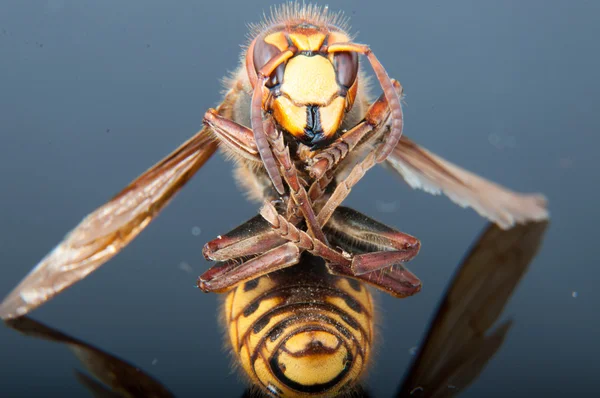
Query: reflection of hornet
point(458, 344)
point(298, 121)
point(311, 332)
point(113, 376)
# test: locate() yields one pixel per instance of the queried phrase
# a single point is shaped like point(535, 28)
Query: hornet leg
point(381, 268)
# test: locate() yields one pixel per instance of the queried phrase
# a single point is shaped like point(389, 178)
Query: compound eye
point(346, 65)
point(263, 53)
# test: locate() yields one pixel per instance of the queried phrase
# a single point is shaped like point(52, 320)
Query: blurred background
point(93, 93)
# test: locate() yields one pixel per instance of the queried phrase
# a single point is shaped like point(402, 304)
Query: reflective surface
point(94, 93)
point(456, 349)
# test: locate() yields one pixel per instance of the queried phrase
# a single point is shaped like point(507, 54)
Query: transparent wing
point(108, 229)
point(424, 170)
point(459, 344)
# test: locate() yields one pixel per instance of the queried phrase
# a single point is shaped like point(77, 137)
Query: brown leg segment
point(362, 235)
point(373, 244)
point(329, 157)
point(317, 190)
point(224, 276)
point(290, 174)
point(375, 116)
point(322, 168)
point(396, 280)
point(342, 190)
point(388, 90)
point(256, 117)
point(378, 112)
point(240, 138)
point(324, 163)
point(253, 237)
point(289, 232)
point(378, 252)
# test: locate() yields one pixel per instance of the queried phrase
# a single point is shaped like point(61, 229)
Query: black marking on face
point(313, 132)
point(313, 122)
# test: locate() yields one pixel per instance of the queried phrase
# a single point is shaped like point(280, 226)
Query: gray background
point(94, 92)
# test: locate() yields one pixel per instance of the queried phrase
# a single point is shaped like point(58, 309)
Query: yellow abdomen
point(301, 331)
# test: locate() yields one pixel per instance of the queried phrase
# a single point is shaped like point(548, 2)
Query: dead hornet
point(297, 110)
point(310, 333)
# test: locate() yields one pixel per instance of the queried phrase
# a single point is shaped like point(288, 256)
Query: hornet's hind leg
point(224, 276)
point(253, 237)
point(372, 252)
point(251, 250)
point(241, 139)
point(254, 249)
point(378, 252)
point(373, 244)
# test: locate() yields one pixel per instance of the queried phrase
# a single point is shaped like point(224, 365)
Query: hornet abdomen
point(301, 331)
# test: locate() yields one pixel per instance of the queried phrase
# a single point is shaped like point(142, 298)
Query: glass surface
point(93, 93)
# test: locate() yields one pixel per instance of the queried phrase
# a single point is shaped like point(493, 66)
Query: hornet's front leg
point(254, 249)
point(342, 190)
point(324, 164)
point(290, 174)
point(375, 117)
point(242, 140)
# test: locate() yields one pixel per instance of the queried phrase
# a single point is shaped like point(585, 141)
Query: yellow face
point(311, 92)
point(309, 106)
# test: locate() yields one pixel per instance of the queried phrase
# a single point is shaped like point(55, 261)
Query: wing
point(103, 233)
point(458, 345)
point(122, 378)
point(424, 170)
